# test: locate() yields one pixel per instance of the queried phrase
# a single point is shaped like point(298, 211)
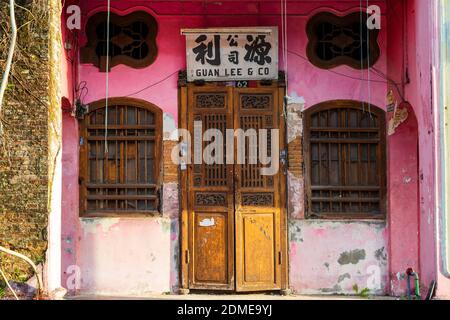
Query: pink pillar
point(403, 213)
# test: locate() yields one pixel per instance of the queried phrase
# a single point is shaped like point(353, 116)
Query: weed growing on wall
point(23, 144)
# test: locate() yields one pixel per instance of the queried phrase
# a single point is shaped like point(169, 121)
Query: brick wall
point(295, 190)
point(170, 168)
point(24, 144)
point(295, 157)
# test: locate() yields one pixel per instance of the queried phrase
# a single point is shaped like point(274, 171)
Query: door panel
point(211, 199)
point(234, 224)
point(257, 196)
point(259, 233)
point(211, 250)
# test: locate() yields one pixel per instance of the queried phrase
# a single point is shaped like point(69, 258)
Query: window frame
point(345, 104)
point(321, 17)
point(88, 52)
point(84, 156)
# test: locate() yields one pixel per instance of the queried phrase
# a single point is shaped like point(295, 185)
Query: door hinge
point(186, 256)
point(284, 156)
point(280, 258)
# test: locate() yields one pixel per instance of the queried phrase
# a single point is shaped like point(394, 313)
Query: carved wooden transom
point(214, 101)
point(210, 199)
point(256, 101)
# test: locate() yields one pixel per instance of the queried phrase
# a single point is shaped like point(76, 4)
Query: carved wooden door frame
point(183, 123)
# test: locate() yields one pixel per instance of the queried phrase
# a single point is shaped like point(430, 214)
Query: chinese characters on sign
point(232, 54)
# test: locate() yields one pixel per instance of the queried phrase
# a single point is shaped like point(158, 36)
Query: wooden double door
point(234, 220)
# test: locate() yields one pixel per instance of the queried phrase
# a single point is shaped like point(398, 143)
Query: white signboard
point(232, 54)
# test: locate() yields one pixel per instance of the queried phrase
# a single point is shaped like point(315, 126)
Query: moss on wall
point(24, 143)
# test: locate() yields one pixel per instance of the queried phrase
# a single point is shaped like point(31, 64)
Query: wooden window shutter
point(125, 179)
point(345, 161)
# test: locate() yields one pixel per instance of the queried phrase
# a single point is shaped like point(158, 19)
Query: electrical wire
point(345, 75)
point(374, 70)
point(152, 85)
point(8, 284)
point(283, 12)
point(369, 88)
point(108, 20)
point(82, 86)
point(285, 41)
point(27, 260)
point(74, 61)
point(395, 84)
point(282, 28)
point(361, 51)
point(81, 91)
point(9, 59)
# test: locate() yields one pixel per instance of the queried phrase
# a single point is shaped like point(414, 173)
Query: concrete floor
point(227, 297)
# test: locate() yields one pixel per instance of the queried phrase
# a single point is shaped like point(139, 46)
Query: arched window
point(345, 160)
point(122, 179)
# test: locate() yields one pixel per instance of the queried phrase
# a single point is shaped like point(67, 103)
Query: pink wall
point(403, 165)
point(331, 257)
point(313, 244)
point(421, 64)
point(131, 256)
point(424, 52)
point(419, 95)
point(314, 84)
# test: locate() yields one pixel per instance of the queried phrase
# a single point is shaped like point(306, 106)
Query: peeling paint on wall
point(138, 263)
point(295, 233)
point(381, 255)
point(296, 195)
point(343, 277)
point(295, 106)
point(332, 256)
point(170, 201)
point(165, 225)
point(91, 225)
point(336, 289)
point(175, 254)
point(169, 126)
point(352, 257)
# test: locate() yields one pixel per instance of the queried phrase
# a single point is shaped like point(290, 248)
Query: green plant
point(19, 275)
point(40, 260)
point(364, 293)
point(2, 290)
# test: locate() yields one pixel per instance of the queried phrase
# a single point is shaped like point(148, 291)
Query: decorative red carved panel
point(132, 40)
point(346, 40)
